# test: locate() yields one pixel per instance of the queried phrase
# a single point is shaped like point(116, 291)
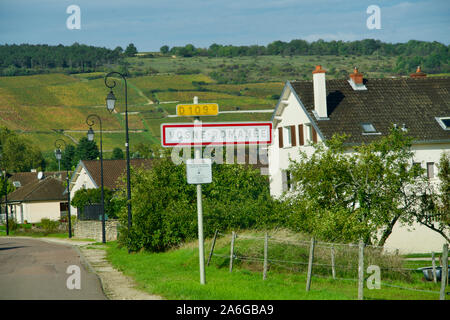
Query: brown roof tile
point(27, 177)
point(112, 170)
point(414, 102)
point(47, 189)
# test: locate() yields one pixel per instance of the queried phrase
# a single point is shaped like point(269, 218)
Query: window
point(444, 122)
point(287, 180)
point(368, 128)
point(288, 135)
point(309, 133)
point(430, 170)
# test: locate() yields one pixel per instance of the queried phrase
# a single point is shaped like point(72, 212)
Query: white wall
point(82, 181)
point(292, 115)
point(33, 212)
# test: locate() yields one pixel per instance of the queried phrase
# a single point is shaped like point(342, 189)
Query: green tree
point(164, 49)
point(18, 153)
point(68, 157)
point(86, 150)
point(164, 209)
point(117, 153)
point(131, 50)
point(85, 197)
point(347, 196)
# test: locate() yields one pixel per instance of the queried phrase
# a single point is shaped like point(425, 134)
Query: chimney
point(356, 80)
point(320, 92)
point(418, 74)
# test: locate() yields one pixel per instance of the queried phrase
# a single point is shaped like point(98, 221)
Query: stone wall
point(92, 229)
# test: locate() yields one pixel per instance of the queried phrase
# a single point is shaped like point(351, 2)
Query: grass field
point(174, 275)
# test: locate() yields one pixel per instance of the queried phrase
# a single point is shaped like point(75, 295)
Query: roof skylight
point(368, 128)
point(444, 122)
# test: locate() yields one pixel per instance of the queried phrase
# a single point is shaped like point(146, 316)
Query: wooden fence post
point(444, 271)
point(433, 263)
point(333, 269)
point(361, 271)
point(233, 236)
point(266, 245)
point(212, 247)
point(310, 264)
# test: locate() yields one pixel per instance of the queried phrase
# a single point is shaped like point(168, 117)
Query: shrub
point(165, 211)
point(48, 225)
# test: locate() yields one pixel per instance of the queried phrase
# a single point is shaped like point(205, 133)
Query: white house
point(312, 111)
point(38, 195)
point(87, 174)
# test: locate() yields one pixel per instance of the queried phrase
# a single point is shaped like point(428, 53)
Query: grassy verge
point(174, 275)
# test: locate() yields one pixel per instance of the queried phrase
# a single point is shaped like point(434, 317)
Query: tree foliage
point(164, 205)
point(86, 150)
point(85, 197)
point(342, 196)
point(18, 153)
point(27, 59)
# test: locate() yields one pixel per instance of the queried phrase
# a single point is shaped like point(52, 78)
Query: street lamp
point(5, 190)
point(58, 155)
point(110, 105)
point(90, 120)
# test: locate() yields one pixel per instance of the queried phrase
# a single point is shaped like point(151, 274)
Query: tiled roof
point(413, 102)
point(47, 189)
point(112, 170)
point(27, 177)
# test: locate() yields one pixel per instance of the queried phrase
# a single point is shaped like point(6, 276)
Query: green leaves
point(354, 194)
point(165, 208)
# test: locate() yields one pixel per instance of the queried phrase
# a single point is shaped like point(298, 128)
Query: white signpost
point(198, 171)
point(215, 133)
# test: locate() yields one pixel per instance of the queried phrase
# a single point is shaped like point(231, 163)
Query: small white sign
point(198, 171)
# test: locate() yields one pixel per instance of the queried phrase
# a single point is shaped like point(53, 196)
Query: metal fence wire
point(337, 261)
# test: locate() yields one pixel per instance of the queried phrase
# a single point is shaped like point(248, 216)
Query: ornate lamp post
point(58, 155)
point(90, 120)
point(110, 104)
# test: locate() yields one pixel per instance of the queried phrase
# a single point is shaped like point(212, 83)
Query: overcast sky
point(150, 24)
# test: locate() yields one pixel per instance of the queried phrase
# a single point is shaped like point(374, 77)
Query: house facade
point(365, 109)
point(38, 195)
point(87, 174)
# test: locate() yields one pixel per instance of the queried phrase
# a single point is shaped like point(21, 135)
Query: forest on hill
point(26, 59)
point(434, 56)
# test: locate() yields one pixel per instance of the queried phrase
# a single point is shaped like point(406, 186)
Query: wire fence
point(360, 263)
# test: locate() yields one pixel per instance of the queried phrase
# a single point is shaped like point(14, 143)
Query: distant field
point(41, 104)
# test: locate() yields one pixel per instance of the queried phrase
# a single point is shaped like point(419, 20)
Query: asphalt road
point(32, 269)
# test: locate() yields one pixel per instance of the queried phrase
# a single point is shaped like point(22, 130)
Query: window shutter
point(280, 136)
point(293, 140)
point(314, 134)
point(301, 138)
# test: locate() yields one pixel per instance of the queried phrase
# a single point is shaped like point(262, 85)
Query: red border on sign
point(234, 124)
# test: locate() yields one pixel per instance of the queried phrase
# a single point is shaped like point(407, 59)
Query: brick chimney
point(418, 74)
point(320, 92)
point(356, 80)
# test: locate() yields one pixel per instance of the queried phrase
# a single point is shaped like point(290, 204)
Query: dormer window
point(444, 122)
